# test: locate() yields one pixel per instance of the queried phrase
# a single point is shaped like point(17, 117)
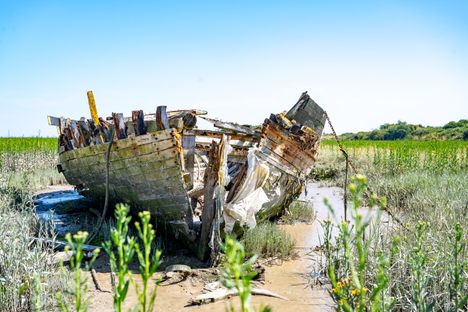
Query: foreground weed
point(79, 292)
point(458, 296)
point(238, 274)
point(37, 301)
point(420, 280)
point(121, 249)
point(347, 260)
point(148, 262)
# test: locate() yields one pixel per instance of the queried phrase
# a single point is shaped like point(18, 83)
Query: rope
point(106, 198)
point(349, 163)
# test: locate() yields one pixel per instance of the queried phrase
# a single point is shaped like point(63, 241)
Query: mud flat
point(294, 279)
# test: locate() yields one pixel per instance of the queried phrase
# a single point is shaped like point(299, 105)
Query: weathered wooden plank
point(291, 153)
point(190, 120)
point(53, 121)
point(208, 212)
point(94, 117)
point(188, 144)
point(162, 122)
point(138, 119)
point(85, 130)
point(92, 107)
point(96, 134)
point(232, 126)
point(308, 113)
point(119, 124)
point(305, 140)
point(76, 134)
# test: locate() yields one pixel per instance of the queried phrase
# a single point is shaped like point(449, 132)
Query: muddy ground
point(297, 279)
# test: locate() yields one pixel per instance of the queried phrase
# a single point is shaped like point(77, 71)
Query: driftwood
point(223, 293)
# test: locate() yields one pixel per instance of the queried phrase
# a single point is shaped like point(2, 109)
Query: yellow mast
point(93, 110)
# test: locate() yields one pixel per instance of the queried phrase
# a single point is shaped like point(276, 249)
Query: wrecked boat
point(198, 184)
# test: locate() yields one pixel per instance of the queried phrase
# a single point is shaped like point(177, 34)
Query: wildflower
point(361, 178)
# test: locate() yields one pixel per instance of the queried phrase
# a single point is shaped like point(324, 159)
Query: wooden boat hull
point(197, 183)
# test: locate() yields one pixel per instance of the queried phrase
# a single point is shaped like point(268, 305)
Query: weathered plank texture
point(144, 170)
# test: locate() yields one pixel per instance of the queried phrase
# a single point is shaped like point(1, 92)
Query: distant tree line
point(454, 130)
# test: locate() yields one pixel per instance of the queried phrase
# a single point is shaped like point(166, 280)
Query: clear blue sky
point(366, 62)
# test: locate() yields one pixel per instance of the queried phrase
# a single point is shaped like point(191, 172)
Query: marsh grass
point(28, 279)
point(267, 240)
point(425, 186)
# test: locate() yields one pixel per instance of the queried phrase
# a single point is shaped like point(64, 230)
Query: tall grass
point(395, 157)
point(28, 145)
point(28, 278)
point(425, 185)
point(267, 240)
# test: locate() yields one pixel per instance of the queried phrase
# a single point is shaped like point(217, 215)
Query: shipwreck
point(198, 184)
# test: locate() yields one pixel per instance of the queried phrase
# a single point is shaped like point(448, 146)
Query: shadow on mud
point(67, 211)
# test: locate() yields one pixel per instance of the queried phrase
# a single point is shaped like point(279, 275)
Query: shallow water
point(67, 208)
point(316, 194)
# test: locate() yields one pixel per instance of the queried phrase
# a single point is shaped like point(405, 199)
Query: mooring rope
point(106, 198)
point(349, 163)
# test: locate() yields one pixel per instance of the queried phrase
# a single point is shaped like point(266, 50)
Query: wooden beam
point(214, 183)
point(119, 125)
point(138, 119)
point(92, 107)
point(53, 121)
point(232, 126)
point(208, 212)
point(162, 122)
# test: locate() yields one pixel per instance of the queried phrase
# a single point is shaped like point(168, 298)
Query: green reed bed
point(27, 144)
point(396, 157)
point(28, 163)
